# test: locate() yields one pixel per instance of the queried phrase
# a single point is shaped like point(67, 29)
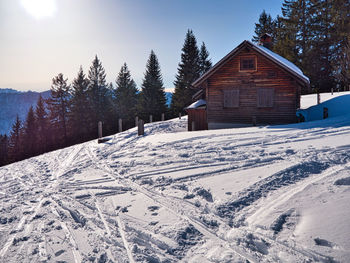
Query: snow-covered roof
point(282, 62)
point(197, 104)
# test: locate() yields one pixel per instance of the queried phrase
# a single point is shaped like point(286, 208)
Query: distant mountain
point(168, 95)
point(9, 91)
point(13, 102)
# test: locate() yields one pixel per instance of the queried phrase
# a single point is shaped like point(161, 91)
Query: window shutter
point(231, 98)
point(265, 98)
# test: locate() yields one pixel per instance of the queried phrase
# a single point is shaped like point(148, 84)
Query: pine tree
point(294, 34)
point(3, 149)
point(204, 61)
point(79, 109)
point(188, 72)
point(126, 97)
point(15, 142)
point(43, 137)
point(296, 20)
point(30, 135)
point(98, 94)
point(266, 25)
point(340, 34)
point(285, 39)
point(321, 72)
point(58, 106)
point(152, 100)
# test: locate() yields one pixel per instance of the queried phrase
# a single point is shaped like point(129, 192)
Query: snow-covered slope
point(337, 104)
point(311, 99)
point(260, 194)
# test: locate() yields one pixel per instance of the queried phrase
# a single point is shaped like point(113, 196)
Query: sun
point(39, 8)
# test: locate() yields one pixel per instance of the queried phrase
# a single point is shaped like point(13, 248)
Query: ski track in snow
point(148, 170)
point(204, 230)
point(126, 243)
point(154, 196)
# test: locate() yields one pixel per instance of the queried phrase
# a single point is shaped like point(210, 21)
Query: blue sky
point(34, 50)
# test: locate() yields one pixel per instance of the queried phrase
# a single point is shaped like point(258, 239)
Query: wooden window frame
point(265, 102)
point(248, 57)
point(234, 101)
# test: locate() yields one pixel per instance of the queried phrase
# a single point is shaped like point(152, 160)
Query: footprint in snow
point(325, 243)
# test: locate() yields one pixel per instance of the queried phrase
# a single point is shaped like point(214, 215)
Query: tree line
point(314, 35)
point(71, 114)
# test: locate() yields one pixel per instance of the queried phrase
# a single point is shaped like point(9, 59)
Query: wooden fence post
point(180, 115)
point(99, 129)
point(150, 118)
point(140, 128)
point(136, 121)
point(193, 126)
point(254, 120)
point(163, 117)
point(120, 125)
point(325, 113)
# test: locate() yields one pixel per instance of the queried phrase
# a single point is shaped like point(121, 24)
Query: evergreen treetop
point(15, 142)
point(79, 107)
point(188, 72)
point(30, 134)
point(204, 61)
point(58, 106)
point(126, 96)
point(41, 120)
point(98, 92)
point(266, 25)
point(152, 100)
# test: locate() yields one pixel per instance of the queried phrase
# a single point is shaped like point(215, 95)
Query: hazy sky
point(41, 38)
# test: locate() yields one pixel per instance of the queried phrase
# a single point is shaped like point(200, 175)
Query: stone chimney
point(266, 41)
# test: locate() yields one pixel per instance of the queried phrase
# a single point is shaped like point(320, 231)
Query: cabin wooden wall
point(267, 75)
point(199, 116)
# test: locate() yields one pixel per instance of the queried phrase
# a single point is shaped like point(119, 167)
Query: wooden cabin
point(250, 86)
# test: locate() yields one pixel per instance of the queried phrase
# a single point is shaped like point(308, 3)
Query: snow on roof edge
point(197, 104)
point(281, 60)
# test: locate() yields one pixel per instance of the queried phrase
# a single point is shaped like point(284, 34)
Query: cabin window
point(231, 98)
point(265, 98)
point(247, 63)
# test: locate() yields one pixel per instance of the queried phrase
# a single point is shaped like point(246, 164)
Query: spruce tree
point(296, 19)
point(58, 106)
point(15, 142)
point(285, 39)
point(294, 34)
point(30, 135)
point(3, 150)
point(98, 94)
point(152, 100)
point(79, 108)
point(266, 25)
point(126, 97)
point(43, 134)
point(321, 72)
point(188, 72)
point(340, 14)
point(204, 61)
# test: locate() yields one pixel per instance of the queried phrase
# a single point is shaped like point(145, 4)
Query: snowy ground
point(260, 194)
point(311, 99)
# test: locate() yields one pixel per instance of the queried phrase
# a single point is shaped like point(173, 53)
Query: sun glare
point(39, 8)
